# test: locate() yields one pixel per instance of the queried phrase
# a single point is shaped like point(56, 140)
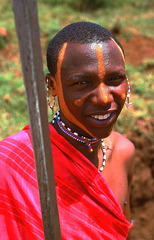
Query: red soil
point(137, 49)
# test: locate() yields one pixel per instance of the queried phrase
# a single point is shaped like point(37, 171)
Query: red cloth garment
point(88, 210)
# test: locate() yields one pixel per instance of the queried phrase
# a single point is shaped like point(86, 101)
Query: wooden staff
point(26, 19)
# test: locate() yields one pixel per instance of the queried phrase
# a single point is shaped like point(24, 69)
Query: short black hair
point(78, 32)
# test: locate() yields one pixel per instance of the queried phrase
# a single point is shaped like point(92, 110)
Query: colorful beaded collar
point(82, 139)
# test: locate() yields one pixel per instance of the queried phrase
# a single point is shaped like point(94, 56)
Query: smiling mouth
point(101, 117)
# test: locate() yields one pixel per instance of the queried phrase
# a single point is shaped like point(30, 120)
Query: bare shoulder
point(123, 144)
point(120, 143)
point(124, 151)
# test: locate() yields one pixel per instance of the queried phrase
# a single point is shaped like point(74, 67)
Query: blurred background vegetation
point(126, 19)
point(132, 22)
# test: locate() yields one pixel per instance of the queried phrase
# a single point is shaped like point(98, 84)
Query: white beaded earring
point(54, 100)
point(128, 95)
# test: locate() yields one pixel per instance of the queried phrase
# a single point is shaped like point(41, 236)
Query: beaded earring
point(128, 95)
point(54, 100)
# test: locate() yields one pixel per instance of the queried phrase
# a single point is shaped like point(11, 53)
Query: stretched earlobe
point(54, 100)
point(51, 84)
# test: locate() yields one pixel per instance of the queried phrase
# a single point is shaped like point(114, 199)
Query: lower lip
point(103, 122)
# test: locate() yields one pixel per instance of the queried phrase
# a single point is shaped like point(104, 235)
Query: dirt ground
point(137, 49)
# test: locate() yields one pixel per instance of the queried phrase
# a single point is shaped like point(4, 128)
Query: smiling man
point(93, 164)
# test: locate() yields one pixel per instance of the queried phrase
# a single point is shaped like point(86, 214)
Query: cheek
point(61, 100)
point(120, 92)
point(78, 102)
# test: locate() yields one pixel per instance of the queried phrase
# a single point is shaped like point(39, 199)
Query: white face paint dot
point(93, 45)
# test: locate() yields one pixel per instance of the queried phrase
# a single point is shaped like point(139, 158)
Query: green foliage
point(85, 5)
point(52, 28)
point(12, 101)
point(141, 80)
point(150, 108)
point(124, 120)
point(77, 5)
point(2, 42)
point(141, 3)
point(91, 5)
point(7, 19)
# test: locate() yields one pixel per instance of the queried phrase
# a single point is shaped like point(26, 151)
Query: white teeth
point(101, 117)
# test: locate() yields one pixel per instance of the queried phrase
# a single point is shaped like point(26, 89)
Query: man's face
point(91, 87)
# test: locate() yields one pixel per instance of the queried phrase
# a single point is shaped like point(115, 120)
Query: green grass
point(130, 20)
point(12, 100)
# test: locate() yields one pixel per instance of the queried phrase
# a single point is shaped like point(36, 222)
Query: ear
point(52, 84)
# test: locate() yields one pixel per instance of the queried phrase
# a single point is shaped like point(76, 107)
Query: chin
point(102, 136)
point(103, 132)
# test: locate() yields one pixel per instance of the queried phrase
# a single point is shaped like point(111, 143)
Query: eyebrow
point(119, 71)
point(76, 76)
point(80, 76)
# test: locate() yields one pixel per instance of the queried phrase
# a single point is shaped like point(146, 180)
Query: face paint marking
point(105, 98)
point(61, 56)
point(123, 96)
point(119, 49)
point(59, 63)
point(101, 70)
point(78, 102)
point(62, 102)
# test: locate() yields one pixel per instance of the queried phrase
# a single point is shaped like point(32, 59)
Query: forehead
point(78, 56)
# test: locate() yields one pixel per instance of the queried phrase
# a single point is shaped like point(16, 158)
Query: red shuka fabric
point(88, 210)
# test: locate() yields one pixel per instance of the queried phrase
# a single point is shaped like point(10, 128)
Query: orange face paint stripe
point(105, 98)
point(123, 96)
point(101, 70)
point(63, 105)
point(60, 60)
point(99, 54)
point(119, 49)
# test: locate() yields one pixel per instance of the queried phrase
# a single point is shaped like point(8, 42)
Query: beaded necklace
point(82, 139)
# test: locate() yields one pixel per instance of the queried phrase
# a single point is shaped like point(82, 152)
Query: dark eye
point(116, 80)
point(82, 83)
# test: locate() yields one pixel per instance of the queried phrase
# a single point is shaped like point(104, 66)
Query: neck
point(83, 148)
point(81, 143)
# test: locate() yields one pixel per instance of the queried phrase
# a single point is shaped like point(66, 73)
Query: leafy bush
point(2, 42)
point(141, 3)
point(81, 5)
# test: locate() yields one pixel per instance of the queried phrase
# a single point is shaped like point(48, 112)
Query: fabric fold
point(87, 207)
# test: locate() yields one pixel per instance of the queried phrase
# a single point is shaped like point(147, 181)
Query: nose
point(102, 95)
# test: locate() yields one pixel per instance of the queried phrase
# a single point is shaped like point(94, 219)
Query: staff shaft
point(26, 19)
